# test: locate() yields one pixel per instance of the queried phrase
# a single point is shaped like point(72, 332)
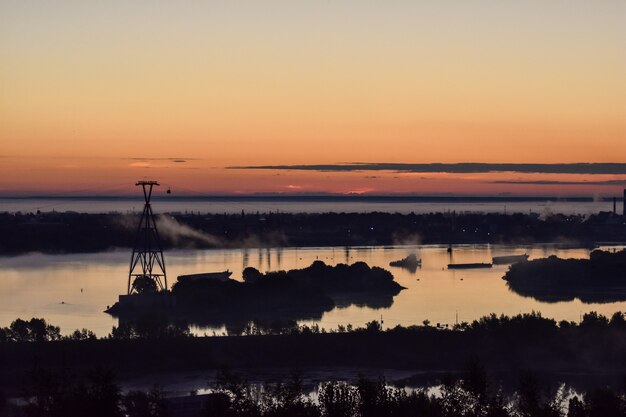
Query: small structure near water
point(218, 276)
point(142, 302)
point(469, 266)
point(411, 263)
point(509, 259)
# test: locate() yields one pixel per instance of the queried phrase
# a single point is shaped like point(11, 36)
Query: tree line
point(54, 232)
point(471, 394)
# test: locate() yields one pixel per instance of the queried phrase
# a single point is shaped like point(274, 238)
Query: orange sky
point(86, 86)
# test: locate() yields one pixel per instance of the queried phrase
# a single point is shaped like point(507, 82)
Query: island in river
point(599, 279)
point(297, 294)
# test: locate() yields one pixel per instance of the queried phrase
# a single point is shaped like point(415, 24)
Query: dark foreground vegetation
point(471, 394)
point(505, 345)
point(74, 232)
point(600, 279)
point(296, 294)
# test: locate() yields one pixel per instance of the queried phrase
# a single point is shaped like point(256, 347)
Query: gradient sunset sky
point(198, 94)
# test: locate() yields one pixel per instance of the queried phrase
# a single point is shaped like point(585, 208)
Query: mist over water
point(73, 290)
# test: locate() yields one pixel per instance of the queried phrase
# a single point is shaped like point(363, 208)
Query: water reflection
point(552, 280)
point(246, 258)
point(569, 383)
point(600, 296)
point(49, 286)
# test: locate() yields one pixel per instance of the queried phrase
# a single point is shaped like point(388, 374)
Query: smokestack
point(624, 214)
point(614, 205)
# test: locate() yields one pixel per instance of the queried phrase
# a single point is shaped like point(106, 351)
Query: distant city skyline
point(100, 94)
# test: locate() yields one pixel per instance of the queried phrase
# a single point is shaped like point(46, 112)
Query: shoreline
point(504, 345)
point(87, 233)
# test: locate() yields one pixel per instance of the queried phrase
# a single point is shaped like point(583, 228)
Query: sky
point(199, 94)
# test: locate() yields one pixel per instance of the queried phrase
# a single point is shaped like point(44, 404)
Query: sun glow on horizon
point(100, 94)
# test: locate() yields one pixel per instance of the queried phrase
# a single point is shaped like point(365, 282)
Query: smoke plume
point(180, 234)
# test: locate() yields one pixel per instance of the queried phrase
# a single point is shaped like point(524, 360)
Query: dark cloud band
point(524, 182)
point(460, 168)
point(178, 160)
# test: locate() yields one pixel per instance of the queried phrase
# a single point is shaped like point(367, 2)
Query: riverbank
point(505, 345)
point(72, 232)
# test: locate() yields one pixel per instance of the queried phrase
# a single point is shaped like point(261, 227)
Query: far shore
point(69, 232)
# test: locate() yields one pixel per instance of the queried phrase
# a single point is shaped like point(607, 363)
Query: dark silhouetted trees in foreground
point(37, 330)
point(472, 395)
point(60, 394)
point(49, 394)
point(54, 375)
point(34, 330)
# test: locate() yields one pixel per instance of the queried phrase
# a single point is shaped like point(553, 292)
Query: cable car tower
point(147, 261)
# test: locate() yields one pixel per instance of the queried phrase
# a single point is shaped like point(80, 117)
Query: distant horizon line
point(321, 197)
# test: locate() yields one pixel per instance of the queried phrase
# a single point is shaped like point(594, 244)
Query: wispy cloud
point(140, 165)
point(457, 168)
point(138, 162)
point(176, 160)
point(530, 182)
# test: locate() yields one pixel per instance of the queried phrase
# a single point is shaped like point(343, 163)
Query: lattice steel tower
point(147, 260)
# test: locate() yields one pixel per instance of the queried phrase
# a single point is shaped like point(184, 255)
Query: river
point(71, 291)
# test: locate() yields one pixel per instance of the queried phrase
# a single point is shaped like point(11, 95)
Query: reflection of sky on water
point(203, 382)
point(73, 290)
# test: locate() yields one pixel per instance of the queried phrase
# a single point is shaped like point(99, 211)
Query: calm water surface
point(72, 291)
